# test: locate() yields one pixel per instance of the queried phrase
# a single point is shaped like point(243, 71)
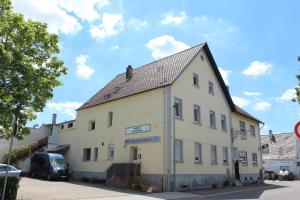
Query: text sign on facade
point(142, 140)
point(265, 148)
point(138, 129)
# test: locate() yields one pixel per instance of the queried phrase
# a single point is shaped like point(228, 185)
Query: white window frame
point(178, 144)
point(225, 156)
point(110, 149)
point(254, 158)
point(110, 119)
point(196, 77)
point(85, 156)
point(196, 107)
point(213, 151)
point(197, 150)
point(252, 130)
point(212, 121)
point(91, 127)
point(210, 87)
point(180, 108)
point(243, 157)
point(223, 118)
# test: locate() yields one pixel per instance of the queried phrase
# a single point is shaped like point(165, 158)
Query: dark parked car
point(271, 175)
point(49, 165)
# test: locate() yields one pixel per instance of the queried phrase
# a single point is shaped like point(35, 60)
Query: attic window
point(70, 125)
point(108, 96)
point(62, 127)
point(202, 57)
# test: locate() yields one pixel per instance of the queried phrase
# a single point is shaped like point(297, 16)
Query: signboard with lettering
point(265, 148)
point(142, 140)
point(138, 129)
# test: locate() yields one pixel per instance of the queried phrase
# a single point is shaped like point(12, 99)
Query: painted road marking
point(237, 191)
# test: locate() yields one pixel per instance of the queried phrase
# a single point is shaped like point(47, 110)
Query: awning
point(59, 148)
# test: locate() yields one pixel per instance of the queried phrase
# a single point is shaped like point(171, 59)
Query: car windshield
point(57, 161)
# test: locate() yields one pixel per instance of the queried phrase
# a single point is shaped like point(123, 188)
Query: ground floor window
point(213, 154)
point(178, 151)
point(111, 152)
point(95, 153)
point(198, 153)
point(244, 157)
point(86, 154)
point(225, 155)
point(254, 158)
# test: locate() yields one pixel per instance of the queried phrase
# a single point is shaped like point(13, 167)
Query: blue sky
point(255, 44)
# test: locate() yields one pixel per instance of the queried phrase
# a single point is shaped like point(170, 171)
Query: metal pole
point(15, 130)
point(174, 154)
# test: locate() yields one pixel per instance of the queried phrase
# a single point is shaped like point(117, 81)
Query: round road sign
point(297, 129)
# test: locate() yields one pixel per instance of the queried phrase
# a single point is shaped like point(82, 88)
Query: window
point(110, 119)
point(212, 118)
point(252, 130)
point(86, 154)
point(254, 158)
point(195, 80)
point(111, 152)
point(213, 154)
point(197, 117)
point(197, 153)
point(178, 108)
point(70, 125)
point(95, 153)
point(243, 157)
point(92, 125)
point(223, 123)
point(210, 87)
point(225, 155)
point(242, 127)
point(178, 151)
point(62, 127)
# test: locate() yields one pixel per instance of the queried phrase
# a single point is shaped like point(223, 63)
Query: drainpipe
point(174, 156)
point(261, 159)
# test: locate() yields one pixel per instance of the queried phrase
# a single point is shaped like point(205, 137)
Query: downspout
point(261, 159)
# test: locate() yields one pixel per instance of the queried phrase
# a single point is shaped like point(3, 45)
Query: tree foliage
point(297, 99)
point(29, 69)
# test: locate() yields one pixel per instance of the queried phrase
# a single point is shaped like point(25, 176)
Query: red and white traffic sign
point(297, 129)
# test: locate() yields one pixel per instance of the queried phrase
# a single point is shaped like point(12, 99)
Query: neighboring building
point(134, 118)
point(283, 154)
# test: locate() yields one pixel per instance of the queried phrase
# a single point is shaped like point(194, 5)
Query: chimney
point(54, 119)
point(129, 72)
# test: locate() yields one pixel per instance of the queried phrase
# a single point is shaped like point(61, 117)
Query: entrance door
point(237, 170)
point(134, 154)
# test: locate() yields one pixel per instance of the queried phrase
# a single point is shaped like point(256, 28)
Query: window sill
point(254, 164)
point(179, 118)
point(197, 123)
point(224, 130)
point(198, 162)
point(225, 164)
point(179, 161)
point(86, 160)
point(196, 86)
point(214, 163)
point(110, 159)
point(212, 127)
point(211, 93)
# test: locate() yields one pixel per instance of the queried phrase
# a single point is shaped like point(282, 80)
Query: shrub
point(11, 187)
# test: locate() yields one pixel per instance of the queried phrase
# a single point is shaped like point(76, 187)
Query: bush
point(11, 187)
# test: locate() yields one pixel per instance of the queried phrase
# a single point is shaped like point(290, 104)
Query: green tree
point(29, 69)
point(297, 99)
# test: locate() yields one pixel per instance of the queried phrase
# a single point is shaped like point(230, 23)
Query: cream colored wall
point(251, 144)
point(139, 109)
point(189, 132)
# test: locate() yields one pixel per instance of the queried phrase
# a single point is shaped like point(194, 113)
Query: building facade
point(175, 117)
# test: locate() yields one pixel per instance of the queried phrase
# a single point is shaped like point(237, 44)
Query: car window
point(3, 167)
point(57, 161)
point(12, 168)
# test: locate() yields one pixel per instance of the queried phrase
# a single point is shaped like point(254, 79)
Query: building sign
point(138, 129)
point(142, 140)
point(265, 148)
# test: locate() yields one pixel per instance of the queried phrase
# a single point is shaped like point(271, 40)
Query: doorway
point(237, 170)
point(134, 154)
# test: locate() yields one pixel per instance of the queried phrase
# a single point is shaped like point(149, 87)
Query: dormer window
point(195, 80)
point(70, 125)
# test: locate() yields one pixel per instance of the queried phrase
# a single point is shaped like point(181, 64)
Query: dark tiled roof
point(243, 112)
point(157, 74)
point(284, 148)
point(150, 76)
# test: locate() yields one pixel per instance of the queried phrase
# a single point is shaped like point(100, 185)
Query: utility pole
point(15, 130)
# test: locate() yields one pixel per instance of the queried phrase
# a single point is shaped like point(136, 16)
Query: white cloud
point(241, 102)
point(111, 24)
point(258, 68)
point(83, 71)
point(225, 75)
point(171, 18)
point(288, 95)
point(67, 108)
point(262, 106)
point(247, 93)
point(164, 46)
point(115, 47)
point(137, 24)
point(61, 16)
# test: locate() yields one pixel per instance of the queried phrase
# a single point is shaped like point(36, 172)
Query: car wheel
point(49, 178)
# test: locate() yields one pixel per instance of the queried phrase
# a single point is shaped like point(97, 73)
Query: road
point(34, 189)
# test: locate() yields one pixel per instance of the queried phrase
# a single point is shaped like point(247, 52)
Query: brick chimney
point(54, 119)
point(129, 72)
